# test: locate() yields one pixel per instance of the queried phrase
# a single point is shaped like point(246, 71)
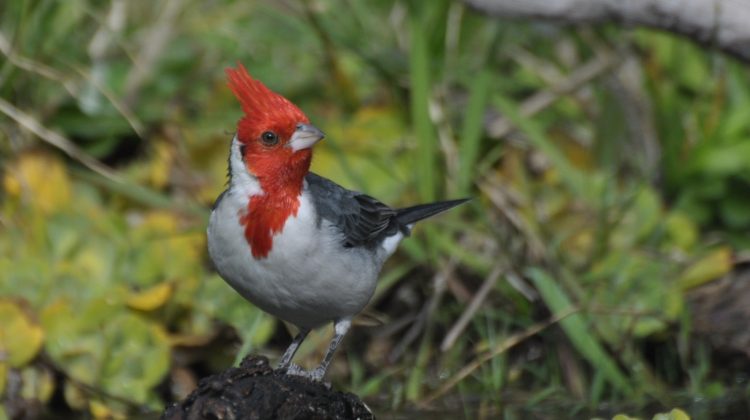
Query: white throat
point(241, 181)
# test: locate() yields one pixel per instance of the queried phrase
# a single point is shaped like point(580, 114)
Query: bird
point(295, 244)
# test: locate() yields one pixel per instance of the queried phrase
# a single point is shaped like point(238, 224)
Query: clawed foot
point(340, 327)
point(296, 370)
point(316, 374)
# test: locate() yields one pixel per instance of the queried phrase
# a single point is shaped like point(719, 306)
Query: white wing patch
point(391, 243)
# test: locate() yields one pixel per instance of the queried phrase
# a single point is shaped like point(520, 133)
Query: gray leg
point(286, 359)
point(340, 327)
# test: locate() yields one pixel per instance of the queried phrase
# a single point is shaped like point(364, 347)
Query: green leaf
point(726, 160)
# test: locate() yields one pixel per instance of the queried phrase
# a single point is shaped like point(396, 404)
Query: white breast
point(308, 278)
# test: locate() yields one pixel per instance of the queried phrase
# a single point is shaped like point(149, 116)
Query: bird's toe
point(297, 370)
point(317, 374)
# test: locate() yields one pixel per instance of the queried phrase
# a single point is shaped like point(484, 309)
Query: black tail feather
point(416, 213)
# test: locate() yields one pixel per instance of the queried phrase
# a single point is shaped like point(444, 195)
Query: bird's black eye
point(269, 138)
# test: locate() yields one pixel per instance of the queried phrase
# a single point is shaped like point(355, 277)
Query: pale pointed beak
point(305, 137)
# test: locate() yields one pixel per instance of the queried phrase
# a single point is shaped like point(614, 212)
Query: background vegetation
point(610, 171)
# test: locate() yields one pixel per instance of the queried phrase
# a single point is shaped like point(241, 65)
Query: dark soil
point(255, 391)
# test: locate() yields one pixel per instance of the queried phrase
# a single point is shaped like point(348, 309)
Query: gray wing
point(362, 220)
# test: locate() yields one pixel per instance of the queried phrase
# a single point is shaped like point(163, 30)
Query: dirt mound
point(255, 391)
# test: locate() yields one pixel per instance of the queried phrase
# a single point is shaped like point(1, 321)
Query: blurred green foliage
point(609, 170)
point(706, 156)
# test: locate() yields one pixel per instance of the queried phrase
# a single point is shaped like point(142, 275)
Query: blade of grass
point(471, 133)
point(578, 331)
point(419, 68)
point(417, 374)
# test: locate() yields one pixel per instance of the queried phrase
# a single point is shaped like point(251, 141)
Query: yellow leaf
point(151, 298)
point(678, 414)
point(40, 180)
point(712, 266)
point(101, 411)
point(675, 414)
point(74, 396)
point(20, 337)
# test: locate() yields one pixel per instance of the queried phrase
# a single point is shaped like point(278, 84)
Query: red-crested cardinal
point(293, 243)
